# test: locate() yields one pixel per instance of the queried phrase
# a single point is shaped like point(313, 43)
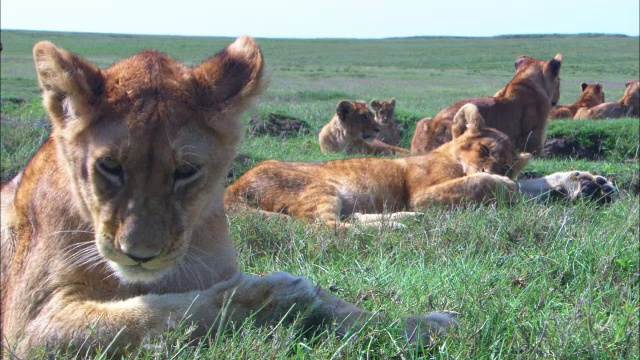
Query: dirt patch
point(16, 101)
point(278, 125)
point(569, 146)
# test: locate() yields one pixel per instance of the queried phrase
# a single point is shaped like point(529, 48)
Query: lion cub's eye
point(111, 169)
point(485, 150)
point(186, 172)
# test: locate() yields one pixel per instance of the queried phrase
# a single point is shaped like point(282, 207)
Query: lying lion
point(627, 106)
point(519, 110)
point(384, 110)
point(591, 96)
point(115, 231)
point(475, 167)
point(353, 130)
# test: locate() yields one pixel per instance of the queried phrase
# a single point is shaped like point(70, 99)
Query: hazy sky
point(324, 18)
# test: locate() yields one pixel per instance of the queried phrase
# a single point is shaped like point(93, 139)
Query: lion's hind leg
point(570, 185)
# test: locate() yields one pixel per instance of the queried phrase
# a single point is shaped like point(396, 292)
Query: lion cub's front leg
point(571, 185)
point(478, 188)
point(281, 296)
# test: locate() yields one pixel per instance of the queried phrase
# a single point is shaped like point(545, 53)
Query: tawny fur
point(353, 130)
point(627, 106)
point(384, 110)
point(115, 231)
point(475, 167)
point(592, 95)
point(519, 110)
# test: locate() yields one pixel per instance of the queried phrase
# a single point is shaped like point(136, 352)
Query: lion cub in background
point(475, 167)
point(353, 130)
point(592, 95)
point(384, 110)
point(627, 106)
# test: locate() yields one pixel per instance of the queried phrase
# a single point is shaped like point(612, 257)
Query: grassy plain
point(531, 280)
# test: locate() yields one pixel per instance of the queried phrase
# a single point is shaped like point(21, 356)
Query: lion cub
point(520, 109)
point(591, 96)
point(353, 130)
point(115, 231)
point(627, 106)
point(475, 167)
point(384, 110)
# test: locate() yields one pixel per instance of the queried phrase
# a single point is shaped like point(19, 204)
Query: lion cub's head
point(146, 144)
point(384, 111)
point(357, 119)
point(528, 67)
point(483, 149)
point(592, 95)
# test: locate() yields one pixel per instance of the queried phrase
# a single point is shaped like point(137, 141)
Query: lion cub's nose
point(140, 256)
point(140, 259)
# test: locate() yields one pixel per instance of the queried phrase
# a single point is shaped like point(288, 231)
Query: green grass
point(530, 281)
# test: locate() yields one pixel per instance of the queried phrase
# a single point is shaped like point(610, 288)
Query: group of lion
point(116, 230)
point(521, 110)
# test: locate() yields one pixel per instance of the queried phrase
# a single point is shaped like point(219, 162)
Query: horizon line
point(594, 34)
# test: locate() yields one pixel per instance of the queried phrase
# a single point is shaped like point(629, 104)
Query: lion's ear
point(344, 108)
point(467, 118)
point(520, 163)
point(554, 64)
point(375, 105)
point(72, 86)
point(584, 86)
point(626, 85)
point(598, 88)
point(231, 78)
point(521, 60)
point(393, 102)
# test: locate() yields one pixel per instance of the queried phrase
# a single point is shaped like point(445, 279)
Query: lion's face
point(149, 193)
point(147, 142)
point(358, 120)
point(482, 149)
point(384, 111)
point(592, 94)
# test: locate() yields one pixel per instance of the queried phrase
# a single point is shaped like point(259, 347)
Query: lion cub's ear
point(554, 64)
point(467, 118)
point(375, 105)
point(584, 86)
point(521, 60)
point(72, 85)
point(232, 77)
point(598, 88)
point(520, 163)
point(393, 102)
point(344, 108)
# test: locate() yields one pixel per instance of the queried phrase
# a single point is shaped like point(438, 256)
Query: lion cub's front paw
point(421, 330)
point(575, 185)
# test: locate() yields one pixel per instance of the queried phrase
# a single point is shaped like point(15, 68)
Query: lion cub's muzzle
point(142, 248)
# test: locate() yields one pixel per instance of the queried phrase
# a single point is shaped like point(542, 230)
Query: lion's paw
point(421, 330)
point(574, 185)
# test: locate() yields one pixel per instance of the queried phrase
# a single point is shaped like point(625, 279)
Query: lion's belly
point(369, 200)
